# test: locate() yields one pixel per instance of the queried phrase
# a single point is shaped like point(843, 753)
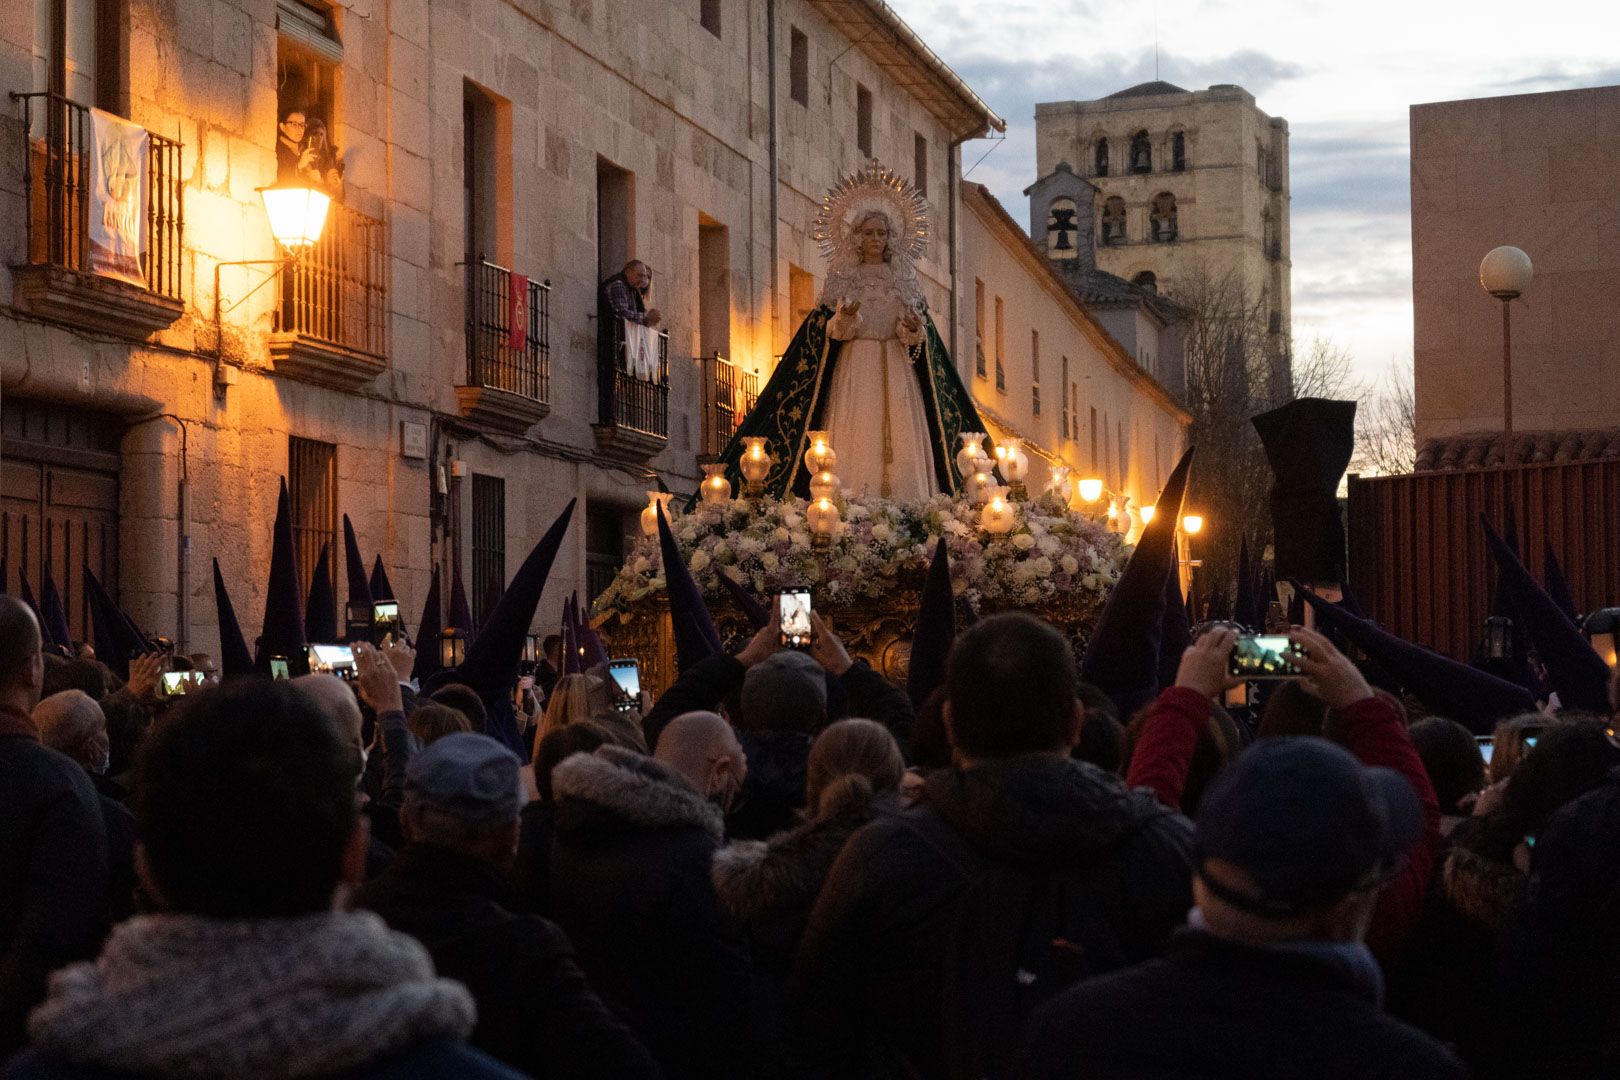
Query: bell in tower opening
point(1061, 227)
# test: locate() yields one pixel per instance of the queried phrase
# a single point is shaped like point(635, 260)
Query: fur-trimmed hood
point(755, 878)
point(1483, 889)
point(616, 789)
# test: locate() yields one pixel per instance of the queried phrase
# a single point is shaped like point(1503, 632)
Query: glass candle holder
point(755, 465)
point(824, 485)
point(715, 488)
point(998, 518)
point(819, 456)
point(972, 450)
point(823, 518)
point(649, 514)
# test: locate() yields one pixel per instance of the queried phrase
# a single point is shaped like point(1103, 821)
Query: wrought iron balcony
point(65, 275)
point(508, 383)
point(633, 414)
point(333, 305)
point(728, 394)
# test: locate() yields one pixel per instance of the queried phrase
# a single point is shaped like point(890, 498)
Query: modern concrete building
point(1540, 172)
point(1181, 182)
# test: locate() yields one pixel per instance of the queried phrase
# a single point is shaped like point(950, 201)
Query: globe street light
point(1505, 273)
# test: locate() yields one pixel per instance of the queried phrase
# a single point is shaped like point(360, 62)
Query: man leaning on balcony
point(621, 297)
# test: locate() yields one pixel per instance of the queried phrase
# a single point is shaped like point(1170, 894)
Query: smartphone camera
point(626, 673)
point(279, 668)
point(794, 607)
point(1263, 656)
point(333, 660)
point(180, 683)
point(384, 621)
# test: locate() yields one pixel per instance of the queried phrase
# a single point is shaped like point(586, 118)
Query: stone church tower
point(1164, 182)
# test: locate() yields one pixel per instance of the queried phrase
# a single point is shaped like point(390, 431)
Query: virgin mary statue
point(867, 366)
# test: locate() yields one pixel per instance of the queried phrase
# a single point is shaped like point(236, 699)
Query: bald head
point(702, 747)
point(336, 700)
point(22, 668)
point(73, 723)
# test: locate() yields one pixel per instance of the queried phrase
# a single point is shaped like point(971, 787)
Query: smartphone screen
point(794, 606)
point(278, 668)
point(333, 659)
point(627, 679)
point(1262, 656)
point(384, 620)
point(1486, 745)
point(181, 683)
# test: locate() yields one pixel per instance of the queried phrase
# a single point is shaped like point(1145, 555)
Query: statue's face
point(872, 239)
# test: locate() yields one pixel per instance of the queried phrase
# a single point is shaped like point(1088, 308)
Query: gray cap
point(785, 691)
point(469, 775)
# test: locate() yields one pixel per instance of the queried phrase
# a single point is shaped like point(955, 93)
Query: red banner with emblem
point(517, 311)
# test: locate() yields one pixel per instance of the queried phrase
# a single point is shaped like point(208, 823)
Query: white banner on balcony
point(640, 351)
point(118, 197)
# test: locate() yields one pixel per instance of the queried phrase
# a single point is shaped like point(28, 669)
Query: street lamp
point(452, 647)
point(1091, 489)
point(297, 213)
point(1602, 629)
point(1505, 273)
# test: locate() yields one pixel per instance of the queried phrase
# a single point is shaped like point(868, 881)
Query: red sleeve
point(1377, 735)
point(1164, 752)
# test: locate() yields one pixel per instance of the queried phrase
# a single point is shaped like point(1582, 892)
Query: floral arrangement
point(1053, 555)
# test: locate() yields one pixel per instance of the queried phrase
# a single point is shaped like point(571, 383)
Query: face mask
point(100, 768)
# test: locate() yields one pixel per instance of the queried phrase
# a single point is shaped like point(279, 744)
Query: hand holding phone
point(1325, 672)
point(626, 674)
point(180, 683)
point(1262, 656)
point(793, 605)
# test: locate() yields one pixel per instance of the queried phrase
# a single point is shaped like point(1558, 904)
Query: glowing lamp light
point(649, 514)
point(820, 456)
point(1602, 629)
point(979, 487)
point(1505, 273)
point(532, 651)
point(823, 518)
point(1192, 524)
point(998, 516)
point(1499, 637)
point(452, 648)
point(1091, 490)
point(1014, 462)
point(1147, 514)
point(1058, 482)
point(971, 453)
point(755, 464)
point(824, 485)
point(297, 213)
point(716, 488)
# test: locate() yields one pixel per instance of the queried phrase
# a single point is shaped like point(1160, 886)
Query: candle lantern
point(820, 456)
point(452, 648)
point(824, 485)
point(755, 464)
point(998, 517)
point(1602, 630)
point(649, 513)
point(1499, 637)
point(1091, 489)
point(823, 518)
point(1014, 465)
point(1058, 483)
point(716, 488)
point(971, 452)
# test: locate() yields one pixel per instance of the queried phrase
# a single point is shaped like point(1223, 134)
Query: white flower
point(1069, 563)
point(882, 531)
point(700, 560)
point(640, 566)
point(1023, 541)
point(800, 539)
point(781, 533)
point(1048, 545)
point(1042, 566)
point(768, 560)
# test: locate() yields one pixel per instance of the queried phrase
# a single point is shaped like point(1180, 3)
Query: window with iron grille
point(1001, 345)
point(488, 543)
point(978, 328)
point(312, 492)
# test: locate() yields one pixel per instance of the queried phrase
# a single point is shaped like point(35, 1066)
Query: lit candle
point(820, 457)
point(823, 517)
point(1091, 490)
point(979, 486)
point(971, 453)
point(649, 515)
point(755, 465)
point(824, 485)
point(998, 516)
point(716, 488)
point(1147, 514)
point(1192, 524)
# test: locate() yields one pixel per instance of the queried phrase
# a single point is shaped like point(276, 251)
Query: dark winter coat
point(536, 1012)
point(119, 823)
point(53, 870)
point(1558, 977)
point(773, 793)
point(630, 886)
point(531, 870)
point(431, 1060)
point(867, 994)
point(1213, 1008)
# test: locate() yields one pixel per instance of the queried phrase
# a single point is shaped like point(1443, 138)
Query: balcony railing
point(638, 404)
point(506, 386)
point(728, 394)
point(57, 277)
point(336, 293)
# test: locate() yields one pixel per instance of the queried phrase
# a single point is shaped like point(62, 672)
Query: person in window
point(625, 294)
point(295, 159)
point(326, 164)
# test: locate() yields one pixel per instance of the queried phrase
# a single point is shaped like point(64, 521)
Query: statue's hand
point(911, 321)
point(849, 308)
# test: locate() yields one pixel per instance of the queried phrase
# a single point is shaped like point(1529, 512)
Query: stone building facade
point(1182, 183)
point(1044, 368)
point(1540, 172)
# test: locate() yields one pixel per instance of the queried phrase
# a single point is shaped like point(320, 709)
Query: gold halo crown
point(874, 187)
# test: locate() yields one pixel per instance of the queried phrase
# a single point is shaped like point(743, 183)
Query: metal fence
point(638, 404)
point(728, 394)
point(1418, 559)
point(491, 359)
point(56, 175)
point(337, 291)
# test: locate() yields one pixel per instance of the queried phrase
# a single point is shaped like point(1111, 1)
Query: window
point(312, 493)
point(1141, 153)
point(610, 533)
point(1275, 324)
point(799, 65)
point(1124, 454)
point(488, 543)
point(486, 174)
point(89, 62)
point(1063, 392)
point(714, 288)
point(1272, 235)
point(709, 16)
point(978, 328)
point(1163, 218)
point(919, 163)
point(1099, 158)
point(308, 54)
point(1035, 372)
point(1178, 152)
point(1094, 438)
point(615, 218)
point(863, 119)
point(1148, 280)
point(1001, 346)
point(1113, 220)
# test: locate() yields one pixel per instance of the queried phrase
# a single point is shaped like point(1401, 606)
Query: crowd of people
point(787, 867)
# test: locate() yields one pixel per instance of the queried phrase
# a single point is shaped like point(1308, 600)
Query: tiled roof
point(1149, 89)
point(1102, 288)
point(1483, 449)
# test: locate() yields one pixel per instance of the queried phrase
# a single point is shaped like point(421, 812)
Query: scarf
point(190, 997)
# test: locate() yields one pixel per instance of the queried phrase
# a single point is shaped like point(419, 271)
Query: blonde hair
point(851, 760)
point(888, 243)
point(570, 702)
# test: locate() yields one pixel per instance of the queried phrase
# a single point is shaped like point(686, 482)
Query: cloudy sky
point(1342, 75)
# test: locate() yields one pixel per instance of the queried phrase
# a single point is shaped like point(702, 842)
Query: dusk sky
point(1343, 78)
